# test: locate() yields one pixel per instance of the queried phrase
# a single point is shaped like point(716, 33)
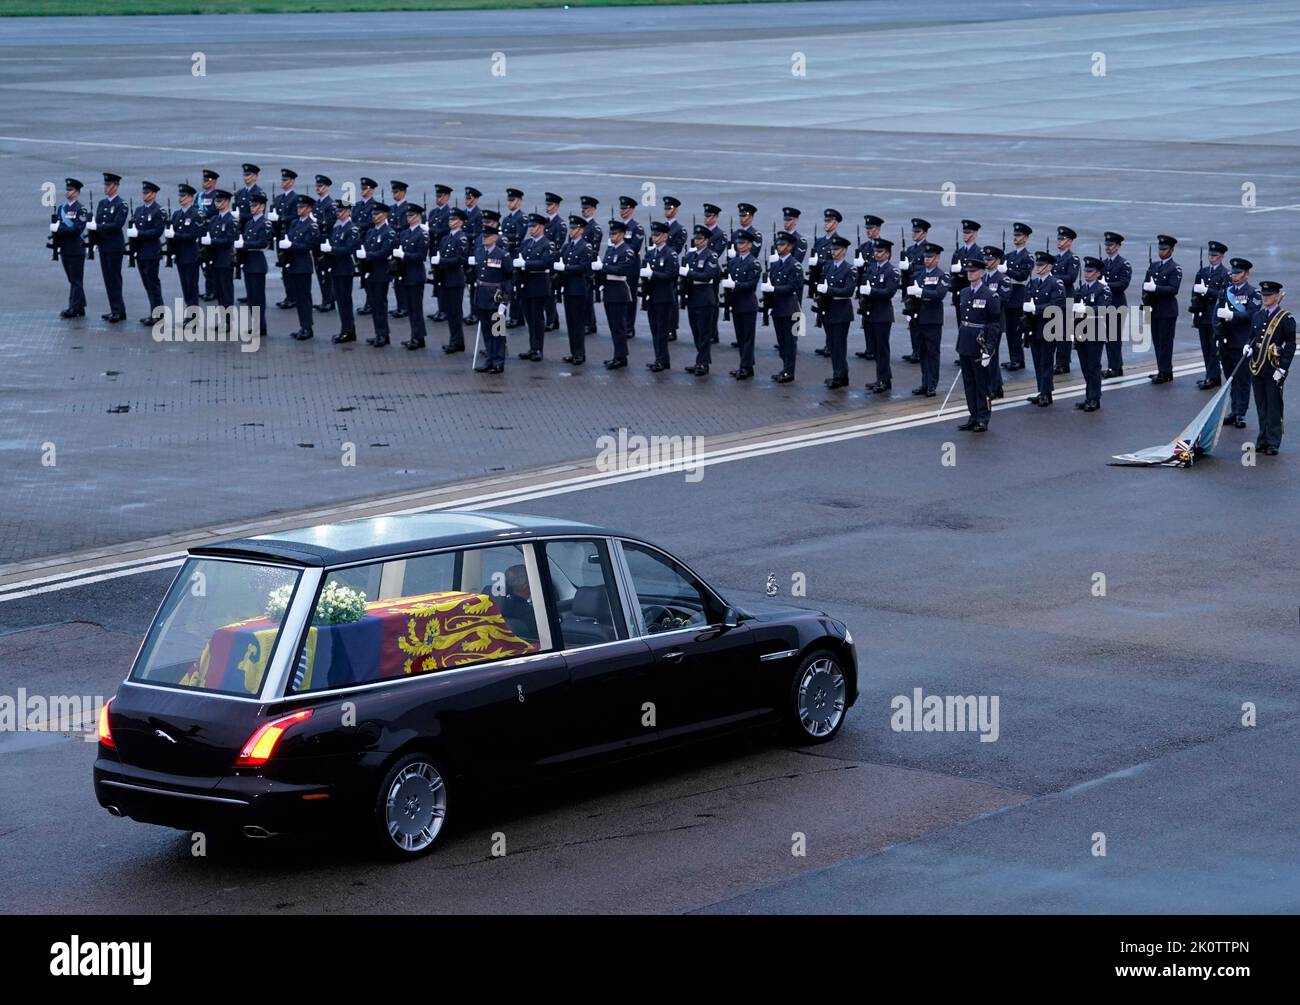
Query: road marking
point(639, 176)
point(98, 571)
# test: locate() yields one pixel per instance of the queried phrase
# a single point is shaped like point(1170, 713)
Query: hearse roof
point(377, 538)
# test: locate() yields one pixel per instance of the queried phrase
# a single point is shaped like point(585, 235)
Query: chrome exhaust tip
point(113, 810)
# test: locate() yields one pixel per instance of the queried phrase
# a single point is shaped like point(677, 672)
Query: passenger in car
point(517, 604)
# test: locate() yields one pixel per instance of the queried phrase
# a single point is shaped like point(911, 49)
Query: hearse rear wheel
point(817, 699)
point(411, 808)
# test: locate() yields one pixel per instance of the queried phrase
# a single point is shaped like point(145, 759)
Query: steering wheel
point(664, 618)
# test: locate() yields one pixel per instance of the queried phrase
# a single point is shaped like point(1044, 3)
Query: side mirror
point(730, 617)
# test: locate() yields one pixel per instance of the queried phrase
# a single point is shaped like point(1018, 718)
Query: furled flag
point(1197, 439)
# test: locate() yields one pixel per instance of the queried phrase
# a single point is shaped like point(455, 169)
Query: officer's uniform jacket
point(1215, 278)
point(878, 305)
point(473, 224)
point(577, 258)
point(747, 273)
point(72, 222)
point(1045, 292)
point(957, 280)
point(841, 281)
point(1168, 277)
point(915, 256)
point(787, 279)
point(979, 319)
point(800, 249)
point(453, 256)
point(662, 262)
point(1243, 301)
point(718, 240)
point(344, 239)
point(676, 236)
point(110, 219)
point(1092, 296)
point(495, 277)
point(379, 243)
point(513, 228)
point(934, 288)
point(149, 220)
point(702, 268)
point(243, 201)
point(285, 206)
point(1020, 266)
point(257, 240)
point(1117, 274)
point(593, 235)
point(620, 265)
point(439, 226)
point(304, 239)
point(1283, 340)
point(207, 201)
point(557, 229)
point(414, 243)
point(361, 218)
point(1066, 270)
point(539, 255)
point(224, 231)
point(189, 225)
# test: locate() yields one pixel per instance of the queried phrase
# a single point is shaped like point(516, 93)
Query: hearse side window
point(586, 598)
point(669, 597)
point(217, 627)
point(420, 615)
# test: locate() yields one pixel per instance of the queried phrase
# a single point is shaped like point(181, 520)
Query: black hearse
point(360, 672)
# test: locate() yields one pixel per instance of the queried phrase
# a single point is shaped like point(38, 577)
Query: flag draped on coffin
point(408, 635)
point(1199, 437)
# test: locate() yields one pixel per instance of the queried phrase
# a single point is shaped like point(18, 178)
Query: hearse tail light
point(261, 745)
point(105, 732)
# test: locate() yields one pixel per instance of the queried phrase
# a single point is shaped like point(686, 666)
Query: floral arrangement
point(338, 604)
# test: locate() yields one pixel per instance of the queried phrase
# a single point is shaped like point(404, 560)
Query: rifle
point(764, 302)
point(813, 278)
point(1146, 297)
point(168, 249)
point(92, 237)
point(1198, 299)
point(911, 305)
point(279, 228)
point(52, 242)
point(132, 243)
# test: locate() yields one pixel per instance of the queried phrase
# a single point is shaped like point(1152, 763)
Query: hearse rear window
point(217, 627)
point(421, 615)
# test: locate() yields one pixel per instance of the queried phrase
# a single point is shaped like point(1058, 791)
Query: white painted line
point(563, 486)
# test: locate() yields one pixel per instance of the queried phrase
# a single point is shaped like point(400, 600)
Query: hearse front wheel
point(817, 699)
point(411, 808)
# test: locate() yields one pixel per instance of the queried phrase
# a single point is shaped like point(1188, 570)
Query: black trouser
point(452, 304)
point(1210, 353)
point(552, 312)
point(914, 334)
point(634, 286)
point(745, 325)
point(1044, 353)
point(616, 318)
point(74, 267)
point(786, 343)
point(189, 277)
point(110, 266)
point(995, 362)
point(1063, 353)
point(494, 337)
point(377, 289)
point(209, 281)
point(399, 296)
point(535, 317)
point(1115, 342)
point(1268, 409)
point(148, 269)
point(878, 331)
point(255, 292)
point(343, 297)
point(576, 312)
point(323, 277)
point(1162, 335)
point(300, 294)
point(837, 340)
point(288, 288)
point(703, 319)
point(929, 337)
point(1240, 375)
point(414, 294)
point(591, 309)
point(661, 319)
point(975, 381)
point(1015, 344)
point(223, 284)
point(1089, 353)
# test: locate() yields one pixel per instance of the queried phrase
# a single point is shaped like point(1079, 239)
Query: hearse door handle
point(673, 656)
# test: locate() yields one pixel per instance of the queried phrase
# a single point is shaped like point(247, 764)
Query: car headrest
point(592, 602)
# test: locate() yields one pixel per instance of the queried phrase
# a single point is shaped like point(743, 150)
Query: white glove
point(399, 253)
point(1246, 350)
point(812, 260)
point(1225, 313)
point(235, 212)
point(684, 270)
point(767, 288)
point(326, 247)
point(284, 243)
point(132, 232)
point(1080, 308)
point(985, 359)
point(904, 264)
point(914, 290)
point(728, 284)
point(865, 289)
point(774, 258)
point(645, 272)
point(823, 287)
point(435, 260)
point(472, 260)
point(169, 233)
point(1149, 286)
point(558, 266)
point(1278, 375)
point(731, 252)
point(597, 266)
point(859, 261)
point(955, 267)
point(54, 227)
point(424, 227)
point(92, 225)
point(239, 243)
point(1200, 288)
point(1029, 307)
point(361, 252)
point(207, 239)
point(518, 263)
point(273, 216)
point(1002, 266)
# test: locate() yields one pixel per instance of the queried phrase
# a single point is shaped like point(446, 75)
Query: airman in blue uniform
point(743, 274)
point(620, 265)
point(1066, 270)
point(594, 237)
point(222, 233)
point(784, 288)
point(1271, 356)
point(836, 290)
point(243, 210)
point(145, 232)
point(208, 205)
point(408, 268)
point(363, 220)
point(340, 244)
point(109, 226)
point(513, 227)
point(253, 244)
point(878, 282)
point(452, 257)
point(635, 237)
point(533, 261)
point(979, 324)
point(493, 291)
point(1210, 281)
point(1019, 265)
point(1089, 326)
point(821, 254)
point(863, 257)
point(557, 234)
point(397, 219)
point(324, 214)
point(284, 210)
point(929, 287)
point(910, 267)
point(1044, 304)
point(699, 270)
point(436, 219)
point(1164, 276)
point(302, 241)
point(573, 266)
point(1117, 274)
point(373, 256)
point(1238, 302)
point(964, 252)
point(995, 282)
point(659, 283)
point(67, 225)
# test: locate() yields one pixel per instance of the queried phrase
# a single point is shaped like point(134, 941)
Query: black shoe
point(550, 328)
point(513, 324)
point(701, 371)
point(400, 314)
point(672, 336)
point(243, 300)
point(784, 377)
point(967, 426)
point(655, 367)
point(342, 337)
point(836, 382)
point(689, 369)
point(144, 321)
point(482, 368)
point(1044, 400)
point(366, 310)
point(918, 391)
point(881, 387)
point(996, 395)
point(1091, 406)
point(323, 308)
point(861, 355)
point(574, 360)
point(73, 314)
point(957, 361)
point(741, 373)
point(1240, 423)
point(1162, 378)
point(524, 355)
point(1108, 373)
point(909, 358)
point(449, 349)
point(870, 357)
point(208, 297)
point(980, 427)
point(735, 345)
point(1229, 420)
point(1060, 369)
point(303, 336)
point(438, 316)
point(1081, 405)
point(284, 304)
point(1035, 399)
point(1013, 366)
point(413, 344)
point(1271, 451)
point(615, 364)
point(497, 368)
point(822, 352)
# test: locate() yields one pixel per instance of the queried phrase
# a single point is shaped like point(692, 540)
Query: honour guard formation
point(497, 272)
